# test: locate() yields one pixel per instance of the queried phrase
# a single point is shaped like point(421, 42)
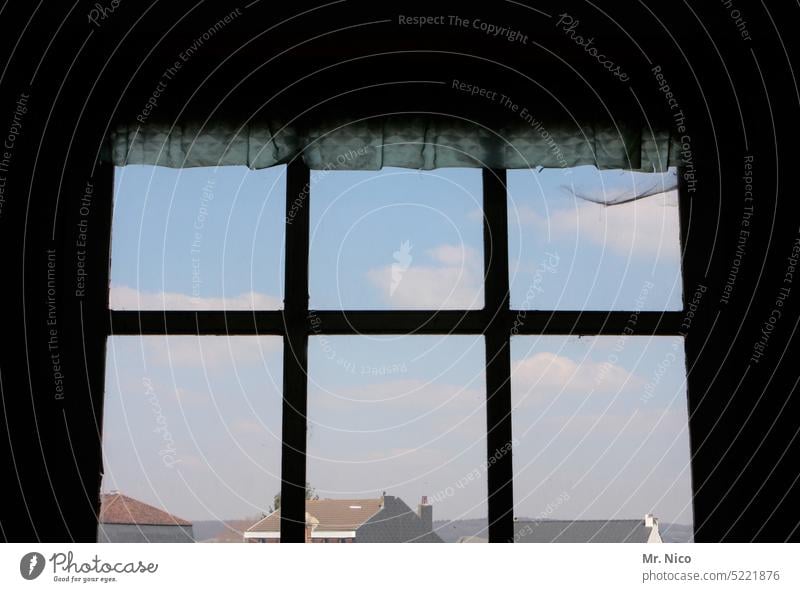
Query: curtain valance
point(418, 142)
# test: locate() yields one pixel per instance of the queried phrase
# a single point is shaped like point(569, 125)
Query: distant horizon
point(259, 515)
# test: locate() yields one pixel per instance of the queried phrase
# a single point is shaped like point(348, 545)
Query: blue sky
point(197, 238)
point(398, 414)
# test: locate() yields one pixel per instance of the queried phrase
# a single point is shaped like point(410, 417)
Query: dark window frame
point(496, 322)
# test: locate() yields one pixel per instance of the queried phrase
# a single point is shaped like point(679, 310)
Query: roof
point(331, 514)
point(581, 531)
point(396, 523)
point(116, 508)
point(472, 539)
point(230, 531)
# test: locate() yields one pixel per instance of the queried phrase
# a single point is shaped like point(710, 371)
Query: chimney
point(425, 511)
point(311, 524)
point(650, 521)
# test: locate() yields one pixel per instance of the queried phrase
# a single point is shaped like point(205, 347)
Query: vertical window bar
point(498, 357)
point(92, 320)
point(295, 355)
point(684, 218)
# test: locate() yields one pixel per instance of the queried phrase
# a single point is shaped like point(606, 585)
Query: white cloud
point(525, 215)
point(191, 351)
point(423, 410)
point(408, 393)
point(664, 426)
point(476, 215)
point(547, 373)
point(644, 228)
point(454, 281)
point(453, 255)
point(123, 297)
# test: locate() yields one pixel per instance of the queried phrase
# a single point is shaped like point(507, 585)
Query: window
point(398, 422)
point(192, 428)
point(569, 251)
point(601, 431)
point(197, 238)
point(400, 262)
point(396, 239)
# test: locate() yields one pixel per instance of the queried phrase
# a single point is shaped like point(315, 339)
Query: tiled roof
point(116, 508)
point(332, 514)
point(581, 531)
point(396, 523)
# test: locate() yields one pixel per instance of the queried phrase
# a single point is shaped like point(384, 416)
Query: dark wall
point(66, 81)
point(144, 533)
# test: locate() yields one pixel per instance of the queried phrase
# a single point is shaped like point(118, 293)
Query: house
point(587, 531)
point(126, 520)
point(380, 520)
point(581, 531)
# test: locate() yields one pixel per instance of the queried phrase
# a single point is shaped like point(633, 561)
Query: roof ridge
point(347, 499)
point(130, 506)
point(337, 514)
point(581, 520)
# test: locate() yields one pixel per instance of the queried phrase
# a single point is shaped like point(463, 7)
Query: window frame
point(496, 322)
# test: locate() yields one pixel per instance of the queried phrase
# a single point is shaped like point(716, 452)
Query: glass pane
point(567, 252)
point(198, 238)
point(396, 444)
point(601, 439)
point(191, 437)
point(396, 239)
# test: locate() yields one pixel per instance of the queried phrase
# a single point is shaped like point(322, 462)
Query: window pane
point(191, 427)
point(198, 238)
point(567, 252)
point(396, 239)
point(395, 423)
point(600, 432)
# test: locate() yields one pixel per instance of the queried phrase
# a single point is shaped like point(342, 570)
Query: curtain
point(418, 142)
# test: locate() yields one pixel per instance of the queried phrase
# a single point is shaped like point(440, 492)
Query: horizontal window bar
point(458, 322)
point(596, 322)
point(186, 322)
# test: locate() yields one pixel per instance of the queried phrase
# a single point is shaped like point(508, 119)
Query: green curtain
point(418, 142)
